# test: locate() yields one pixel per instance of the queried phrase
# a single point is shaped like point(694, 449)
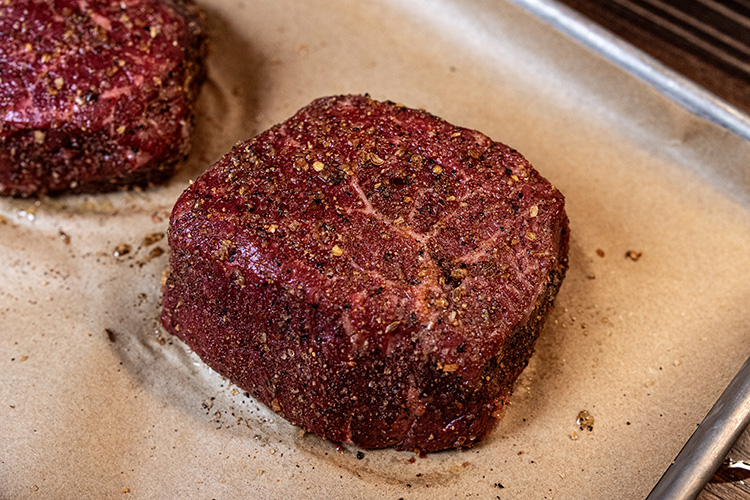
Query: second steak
point(96, 96)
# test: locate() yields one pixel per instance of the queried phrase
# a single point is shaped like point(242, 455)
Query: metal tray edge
point(677, 87)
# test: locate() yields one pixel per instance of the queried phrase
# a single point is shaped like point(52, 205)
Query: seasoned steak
point(95, 95)
point(371, 272)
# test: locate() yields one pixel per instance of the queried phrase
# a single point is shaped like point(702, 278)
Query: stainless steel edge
point(709, 444)
point(688, 94)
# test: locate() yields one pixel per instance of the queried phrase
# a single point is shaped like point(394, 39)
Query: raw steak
point(371, 272)
point(95, 95)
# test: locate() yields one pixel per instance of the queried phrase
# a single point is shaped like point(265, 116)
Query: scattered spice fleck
point(392, 326)
point(122, 249)
point(152, 238)
point(533, 211)
point(437, 170)
point(336, 251)
point(585, 421)
point(318, 166)
point(633, 255)
point(376, 160)
point(600, 252)
point(152, 254)
point(110, 334)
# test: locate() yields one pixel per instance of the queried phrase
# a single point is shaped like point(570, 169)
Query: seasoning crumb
point(110, 334)
point(585, 421)
point(318, 166)
point(600, 252)
point(126, 490)
point(336, 251)
point(122, 249)
point(360, 455)
point(152, 238)
point(392, 326)
point(152, 254)
point(633, 255)
point(376, 160)
point(574, 436)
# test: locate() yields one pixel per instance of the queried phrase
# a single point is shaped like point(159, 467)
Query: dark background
point(706, 40)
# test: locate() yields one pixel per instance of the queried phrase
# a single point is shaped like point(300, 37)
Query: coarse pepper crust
point(371, 272)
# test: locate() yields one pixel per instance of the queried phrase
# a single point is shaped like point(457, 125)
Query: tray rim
point(674, 85)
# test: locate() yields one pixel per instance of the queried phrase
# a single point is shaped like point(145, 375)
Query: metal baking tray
point(648, 329)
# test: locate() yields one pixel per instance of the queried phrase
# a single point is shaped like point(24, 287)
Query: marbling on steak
point(95, 95)
point(371, 272)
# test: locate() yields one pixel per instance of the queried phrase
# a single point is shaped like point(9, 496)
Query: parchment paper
point(96, 401)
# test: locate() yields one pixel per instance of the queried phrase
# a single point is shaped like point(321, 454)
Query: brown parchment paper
point(96, 401)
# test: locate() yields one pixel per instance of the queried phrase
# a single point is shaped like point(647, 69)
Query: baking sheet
point(96, 400)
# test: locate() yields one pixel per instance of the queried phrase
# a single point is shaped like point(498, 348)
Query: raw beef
point(371, 272)
point(94, 95)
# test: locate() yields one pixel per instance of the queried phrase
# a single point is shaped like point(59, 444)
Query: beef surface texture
point(96, 96)
point(371, 272)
